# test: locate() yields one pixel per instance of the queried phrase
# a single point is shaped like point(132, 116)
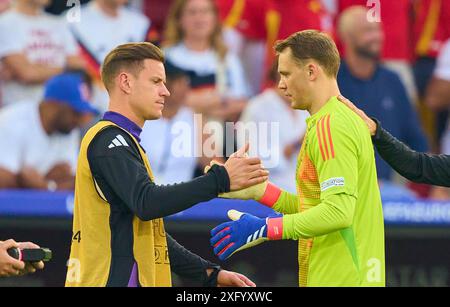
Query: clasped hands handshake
point(248, 181)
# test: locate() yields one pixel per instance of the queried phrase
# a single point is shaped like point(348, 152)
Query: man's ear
point(312, 70)
point(125, 81)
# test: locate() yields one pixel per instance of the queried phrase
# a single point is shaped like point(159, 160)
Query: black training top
point(413, 165)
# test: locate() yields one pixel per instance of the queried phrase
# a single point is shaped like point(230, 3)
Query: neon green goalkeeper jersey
point(337, 214)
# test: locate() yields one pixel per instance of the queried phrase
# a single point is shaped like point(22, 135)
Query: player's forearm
point(334, 213)
point(188, 265)
point(279, 200)
point(269, 195)
point(287, 203)
point(413, 165)
point(163, 200)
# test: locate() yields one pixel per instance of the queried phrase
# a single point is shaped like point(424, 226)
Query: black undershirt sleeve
point(415, 166)
point(121, 173)
point(188, 265)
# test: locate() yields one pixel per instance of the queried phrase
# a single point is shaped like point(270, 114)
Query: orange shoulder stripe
point(330, 137)
point(319, 138)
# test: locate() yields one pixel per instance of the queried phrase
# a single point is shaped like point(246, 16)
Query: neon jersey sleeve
point(334, 213)
point(287, 203)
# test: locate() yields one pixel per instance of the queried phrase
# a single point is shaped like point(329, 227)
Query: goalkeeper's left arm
point(334, 213)
point(269, 195)
point(265, 193)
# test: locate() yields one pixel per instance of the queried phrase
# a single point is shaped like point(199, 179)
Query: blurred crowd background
point(220, 63)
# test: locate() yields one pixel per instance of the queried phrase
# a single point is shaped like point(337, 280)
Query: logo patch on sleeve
point(332, 182)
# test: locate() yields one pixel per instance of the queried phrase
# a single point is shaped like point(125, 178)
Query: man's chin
point(297, 106)
point(154, 116)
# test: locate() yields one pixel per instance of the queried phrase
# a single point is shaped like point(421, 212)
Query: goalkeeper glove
point(243, 232)
point(266, 193)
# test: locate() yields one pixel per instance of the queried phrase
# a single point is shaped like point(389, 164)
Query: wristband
point(271, 195)
point(275, 228)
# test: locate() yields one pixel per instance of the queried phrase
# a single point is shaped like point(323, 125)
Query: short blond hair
point(313, 45)
point(129, 57)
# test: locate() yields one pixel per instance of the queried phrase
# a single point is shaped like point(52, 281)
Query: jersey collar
point(124, 123)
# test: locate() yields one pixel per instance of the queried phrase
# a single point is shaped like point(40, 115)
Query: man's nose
point(282, 85)
point(165, 92)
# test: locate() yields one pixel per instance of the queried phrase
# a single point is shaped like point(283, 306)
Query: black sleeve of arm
point(415, 166)
point(120, 173)
point(188, 265)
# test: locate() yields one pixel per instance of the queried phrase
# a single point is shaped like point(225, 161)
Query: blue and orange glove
point(244, 231)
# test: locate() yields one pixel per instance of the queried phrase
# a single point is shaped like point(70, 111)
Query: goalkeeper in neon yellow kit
point(336, 215)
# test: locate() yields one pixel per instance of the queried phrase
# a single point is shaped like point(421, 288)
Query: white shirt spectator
point(98, 33)
point(171, 147)
point(442, 71)
point(208, 63)
point(268, 111)
point(25, 143)
point(44, 39)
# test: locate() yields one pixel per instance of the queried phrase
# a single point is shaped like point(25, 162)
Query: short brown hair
point(315, 45)
point(130, 57)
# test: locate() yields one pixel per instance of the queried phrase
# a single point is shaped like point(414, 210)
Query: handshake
point(250, 182)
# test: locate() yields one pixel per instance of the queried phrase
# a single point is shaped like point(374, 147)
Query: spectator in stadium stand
point(156, 11)
point(39, 139)
point(252, 27)
point(171, 141)
point(12, 267)
point(34, 46)
point(244, 24)
point(377, 90)
point(193, 42)
point(437, 97)
point(285, 17)
point(431, 30)
point(104, 25)
point(396, 22)
point(272, 106)
point(438, 92)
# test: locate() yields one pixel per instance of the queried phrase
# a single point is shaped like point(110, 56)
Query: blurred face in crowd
point(66, 118)
point(179, 88)
point(295, 80)
point(147, 90)
point(198, 19)
point(365, 38)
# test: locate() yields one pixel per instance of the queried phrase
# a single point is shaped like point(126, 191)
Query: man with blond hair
point(336, 215)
